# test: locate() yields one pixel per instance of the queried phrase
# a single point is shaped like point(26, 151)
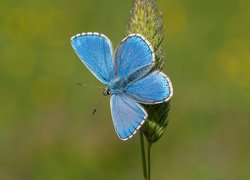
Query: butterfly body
point(118, 85)
point(128, 75)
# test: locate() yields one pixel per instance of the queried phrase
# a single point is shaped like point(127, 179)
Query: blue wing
point(127, 115)
point(133, 53)
point(154, 88)
point(95, 51)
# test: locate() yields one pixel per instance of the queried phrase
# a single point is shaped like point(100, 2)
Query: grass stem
point(144, 165)
point(149, 167)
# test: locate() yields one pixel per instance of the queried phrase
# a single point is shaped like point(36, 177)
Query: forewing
point(95, 51)
point(133, 53)
point(127, 115)
point(154, 88)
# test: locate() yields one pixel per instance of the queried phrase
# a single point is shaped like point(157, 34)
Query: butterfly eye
point(106, 92)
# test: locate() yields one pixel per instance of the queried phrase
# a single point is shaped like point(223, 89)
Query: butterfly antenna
point(97, 105)
point(90, 85)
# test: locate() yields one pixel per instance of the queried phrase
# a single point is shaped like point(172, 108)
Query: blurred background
point(46, 127)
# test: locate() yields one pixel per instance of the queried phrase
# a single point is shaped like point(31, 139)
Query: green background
point(46, 127)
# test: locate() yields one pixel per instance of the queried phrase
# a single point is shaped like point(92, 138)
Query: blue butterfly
point(128, 76)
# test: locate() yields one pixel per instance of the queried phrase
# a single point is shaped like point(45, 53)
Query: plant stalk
point(149, 168)
point(144, 164)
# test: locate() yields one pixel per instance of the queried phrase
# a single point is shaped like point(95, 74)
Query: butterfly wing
point(127, 115)
point(95, 51)
point(133, 53)
point(154, 88)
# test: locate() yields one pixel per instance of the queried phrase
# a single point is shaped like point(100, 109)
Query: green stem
point(149, 148)
point(144, 165)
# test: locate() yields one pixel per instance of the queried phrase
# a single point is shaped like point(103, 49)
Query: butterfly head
point(106, 91)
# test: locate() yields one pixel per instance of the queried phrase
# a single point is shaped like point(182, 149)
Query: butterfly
point(128, 76)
